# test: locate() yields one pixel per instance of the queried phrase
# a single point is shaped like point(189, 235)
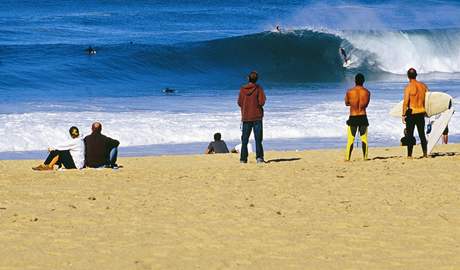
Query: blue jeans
point(113, 156)
point(258, 136)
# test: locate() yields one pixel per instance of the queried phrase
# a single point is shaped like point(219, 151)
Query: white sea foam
point(38, 130)
point(397, 51)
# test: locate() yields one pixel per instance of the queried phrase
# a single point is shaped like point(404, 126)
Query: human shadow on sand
point(444, 154)
point(282, 160)
point(385, 158)
point(432, 155)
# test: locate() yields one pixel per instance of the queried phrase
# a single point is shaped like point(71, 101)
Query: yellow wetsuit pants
point(351, 131)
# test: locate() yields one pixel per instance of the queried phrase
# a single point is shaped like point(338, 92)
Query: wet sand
point(302, 210)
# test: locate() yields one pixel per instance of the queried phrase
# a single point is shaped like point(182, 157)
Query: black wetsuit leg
point(66, 160)
point(420, 123)
point(412, 121)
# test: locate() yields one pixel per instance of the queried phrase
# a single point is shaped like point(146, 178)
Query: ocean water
point(203, 50)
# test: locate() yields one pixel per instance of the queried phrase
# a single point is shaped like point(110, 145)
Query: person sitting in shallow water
point(218, 146)
point(69, 154)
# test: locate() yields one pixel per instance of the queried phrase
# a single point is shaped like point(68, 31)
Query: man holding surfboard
point(414, 111)
point(357, 98)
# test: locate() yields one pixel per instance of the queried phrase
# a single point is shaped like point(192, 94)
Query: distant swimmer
point(90, 50)
point(168, 90)
point(357, 98)
point(414, 111)
point(344, 55)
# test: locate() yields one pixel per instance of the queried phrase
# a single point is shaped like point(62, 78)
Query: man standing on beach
point(414, 111)
point(357, 98)
point(251, 101)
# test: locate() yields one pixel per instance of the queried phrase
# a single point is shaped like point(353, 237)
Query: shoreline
point(284, 145)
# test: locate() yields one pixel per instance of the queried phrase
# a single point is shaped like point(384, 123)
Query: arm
point(209, 150)
point(406, 101)
point(66, 145)
point(347, 101)
point(112, 143)
point(368, 99)
point(261, 97)
point(240, 99)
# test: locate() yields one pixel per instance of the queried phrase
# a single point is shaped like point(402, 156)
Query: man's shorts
point(358, 121)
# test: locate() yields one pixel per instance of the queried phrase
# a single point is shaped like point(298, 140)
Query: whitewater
point(48, 83)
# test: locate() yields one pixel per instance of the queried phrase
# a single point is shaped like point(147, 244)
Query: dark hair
point(217, 137)
point(359, 79)
point(73, 130)
point(412, 73)
point(253, 76)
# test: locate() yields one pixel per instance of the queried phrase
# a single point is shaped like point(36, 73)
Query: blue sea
point(204, 50)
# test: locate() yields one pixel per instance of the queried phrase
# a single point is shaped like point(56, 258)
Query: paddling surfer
point(414, 111)
point(90, 50)
point(357, 98)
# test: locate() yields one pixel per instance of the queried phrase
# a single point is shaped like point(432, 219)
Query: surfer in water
point(357, 98)
point(344, 55)
point(90, 50)
point(414, 111)
point(278, 28)
point(168, 90)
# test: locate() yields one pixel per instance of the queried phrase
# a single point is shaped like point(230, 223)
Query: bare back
point(358, 99)
point(414, 97)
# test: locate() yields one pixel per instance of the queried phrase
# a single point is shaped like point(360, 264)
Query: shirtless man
point(414, 111)
point(358, 99)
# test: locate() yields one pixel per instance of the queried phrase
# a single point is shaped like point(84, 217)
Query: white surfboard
point(347, 63)
point(435, 103)
point(437, 128)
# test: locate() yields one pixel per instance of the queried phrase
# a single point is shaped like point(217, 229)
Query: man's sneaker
point(42, 167)
point(115, 166)
point(260, 160)
point(243, 161)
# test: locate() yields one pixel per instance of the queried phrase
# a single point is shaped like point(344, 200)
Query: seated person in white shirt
point(69, 154)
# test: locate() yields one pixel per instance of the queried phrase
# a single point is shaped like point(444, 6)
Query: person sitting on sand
point(357, 99)
point(70, 154)
point(218, 146)
point(101, 151)
point(414, 111)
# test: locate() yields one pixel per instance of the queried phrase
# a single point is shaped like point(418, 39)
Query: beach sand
point(303, 210)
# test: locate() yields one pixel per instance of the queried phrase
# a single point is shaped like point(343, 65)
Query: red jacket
point(251, 100)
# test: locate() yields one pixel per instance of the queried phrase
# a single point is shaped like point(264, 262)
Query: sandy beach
point(302, 210)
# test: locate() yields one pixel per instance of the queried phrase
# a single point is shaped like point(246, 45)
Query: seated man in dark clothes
point(218, 146)
point(100, 150)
